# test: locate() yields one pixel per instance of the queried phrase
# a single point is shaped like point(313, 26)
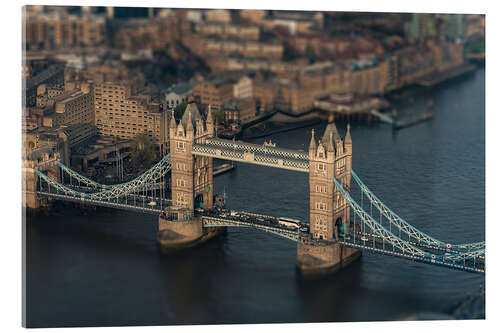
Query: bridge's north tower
point(192, 179)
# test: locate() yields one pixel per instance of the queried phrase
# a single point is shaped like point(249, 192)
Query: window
point(320, 167)
point(321, 205)
point(320, 189)
point(180, 146)
point(181, 183)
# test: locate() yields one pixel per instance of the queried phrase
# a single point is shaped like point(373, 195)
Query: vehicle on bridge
point(289, 223)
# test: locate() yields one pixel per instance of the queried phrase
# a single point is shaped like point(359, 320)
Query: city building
point(53, 75)
point(122, 114)
point(240, 110)
point(71, 107)
point(208, 46)
point(56, 29)
point(218, 15)
point(178, 94)
point(218, 89)
point(228, 31)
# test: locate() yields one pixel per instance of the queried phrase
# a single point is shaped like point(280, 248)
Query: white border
point(11, 166)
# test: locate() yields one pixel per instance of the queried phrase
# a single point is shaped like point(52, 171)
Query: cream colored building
point(120, 113)
point(72, 107)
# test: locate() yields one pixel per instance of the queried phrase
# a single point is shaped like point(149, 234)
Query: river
point(106, 269)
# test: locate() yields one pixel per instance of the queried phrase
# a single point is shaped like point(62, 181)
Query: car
point(364, 239)
point(152, 203)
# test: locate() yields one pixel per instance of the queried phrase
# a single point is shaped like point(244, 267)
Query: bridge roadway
point(228, 218)
point(255, 154)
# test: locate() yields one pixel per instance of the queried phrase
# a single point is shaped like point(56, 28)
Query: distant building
point(239, 110)
point(241, 32)
point(58, 29)
point(218, 15)
point(54, 75)
point(178, 93)
point(205, 46)
point(367, 77)
point(221, 88)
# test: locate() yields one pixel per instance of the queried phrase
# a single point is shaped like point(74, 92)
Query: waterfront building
point(239, 110)
point(122, 114)
point(367, 77)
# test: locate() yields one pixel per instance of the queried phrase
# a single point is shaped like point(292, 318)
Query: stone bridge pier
point(192, 182)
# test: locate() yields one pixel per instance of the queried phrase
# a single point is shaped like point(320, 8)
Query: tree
point(179, 110)
point(219, 117)
point(142, 151)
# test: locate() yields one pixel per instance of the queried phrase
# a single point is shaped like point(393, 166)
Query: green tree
point(142, 151)
point(179, 110)
point(219, 117)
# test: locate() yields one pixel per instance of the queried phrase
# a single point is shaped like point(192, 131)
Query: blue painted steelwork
point(470, 261)
point(407, 228)
point(143, 182)
point(165, 161)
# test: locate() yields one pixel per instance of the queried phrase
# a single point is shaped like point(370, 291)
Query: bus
point(288, 222)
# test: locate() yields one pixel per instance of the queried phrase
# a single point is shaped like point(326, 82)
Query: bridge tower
point(330, 157)
point(192, 182)
point(43, 159)
point(192, 178)
point(329, 212)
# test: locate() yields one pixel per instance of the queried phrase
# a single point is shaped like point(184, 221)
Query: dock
point(436, 78)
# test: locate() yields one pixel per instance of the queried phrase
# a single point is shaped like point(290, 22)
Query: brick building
point(120, 113)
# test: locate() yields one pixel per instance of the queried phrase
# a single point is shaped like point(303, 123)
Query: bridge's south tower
point(330, 157)
point(329, 214)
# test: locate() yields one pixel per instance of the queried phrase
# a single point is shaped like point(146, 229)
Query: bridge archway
point(340, 226)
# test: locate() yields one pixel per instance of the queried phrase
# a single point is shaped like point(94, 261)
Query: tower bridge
point(343, 219)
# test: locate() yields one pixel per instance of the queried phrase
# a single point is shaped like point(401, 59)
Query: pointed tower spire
point(172, 120)
point(347, 138)
point(210, 121)
point(189, 125)
point(209, 114)
point(312, 144)
point(329, 146)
